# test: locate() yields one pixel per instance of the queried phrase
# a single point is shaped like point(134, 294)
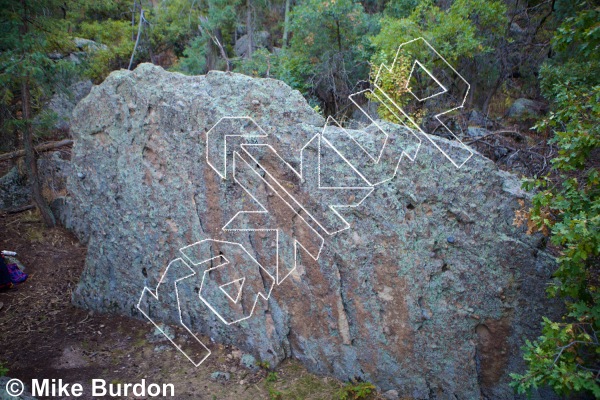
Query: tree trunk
point(249, 32)
point(16, 145)
point(286, 23)
point(31, 159)
point(218, 40)
point(492, 93)
point(339, 36)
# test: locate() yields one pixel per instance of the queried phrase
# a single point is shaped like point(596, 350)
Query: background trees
point(31, 32)
point(567, 207)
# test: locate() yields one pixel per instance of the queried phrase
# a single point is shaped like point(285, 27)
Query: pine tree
point(30, 32)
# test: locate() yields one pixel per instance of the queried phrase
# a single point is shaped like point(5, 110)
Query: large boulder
point(260, 40)
point(430, 292)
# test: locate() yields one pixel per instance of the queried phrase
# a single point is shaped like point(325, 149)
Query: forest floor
point(43, 335)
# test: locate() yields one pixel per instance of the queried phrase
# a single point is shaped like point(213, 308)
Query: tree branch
point(38, 149)
point(137, 40)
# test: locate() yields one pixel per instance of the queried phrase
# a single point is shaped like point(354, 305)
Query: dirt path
point(43, 335)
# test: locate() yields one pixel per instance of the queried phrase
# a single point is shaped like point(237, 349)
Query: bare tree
point(249, 30)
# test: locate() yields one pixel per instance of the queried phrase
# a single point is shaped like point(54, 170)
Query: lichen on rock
point(391, 300)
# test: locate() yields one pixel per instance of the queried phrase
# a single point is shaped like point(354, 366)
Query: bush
point(567, 207)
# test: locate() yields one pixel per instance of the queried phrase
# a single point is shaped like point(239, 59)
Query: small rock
point(478, 119)
point(88, 45)
point(14, 191)
point(248, 361)
point(391, 395)
point(476, 132)
point(526, 108)
point(260, 39)
point(160, 348)
point(220, 376)
point(451, 239)
point(55, 55)
point(500, 152)
point(159, 335)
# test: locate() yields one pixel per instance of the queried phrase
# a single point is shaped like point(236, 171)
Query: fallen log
point(39, 149)
point(17, 209)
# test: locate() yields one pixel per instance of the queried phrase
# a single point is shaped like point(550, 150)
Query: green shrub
point(3, 369)
point(567, 207)
point(356, 391)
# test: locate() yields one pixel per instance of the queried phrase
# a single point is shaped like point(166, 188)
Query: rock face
point(53, 168)
point(63, 103)
point(260, 40)
point(14, 190)
point(429, 292)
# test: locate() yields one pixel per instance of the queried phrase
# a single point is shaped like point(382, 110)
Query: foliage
point(394, 83)
point(264, 365)
point(173, 24)
point(326, 61)
point(212, 21)
point(114, 50)
point(166, 29)
point(271, 377)
point(468, 29)
point(193, 61)
point(461, 31)
point(567, 355)
point(3, 369)
point(400, 8)
point(356, 391)
point(263, 64)
point(26, 57)
point(275, 394)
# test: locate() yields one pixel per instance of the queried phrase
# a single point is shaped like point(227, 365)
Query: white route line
point(222, 287)
point(333, 207)
point(444, 90)
point(265, 211)
point(437, 116)
point(155, 295)
point(208, 149)
point(375, 160)
point(369, 187)
point(207, 272)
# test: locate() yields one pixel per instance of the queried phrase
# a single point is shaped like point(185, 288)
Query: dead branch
point(512, 133)
point(18, 209)
point(217, 43)
point(39, 149)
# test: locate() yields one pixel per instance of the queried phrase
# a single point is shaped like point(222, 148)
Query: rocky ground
point(44, 336)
